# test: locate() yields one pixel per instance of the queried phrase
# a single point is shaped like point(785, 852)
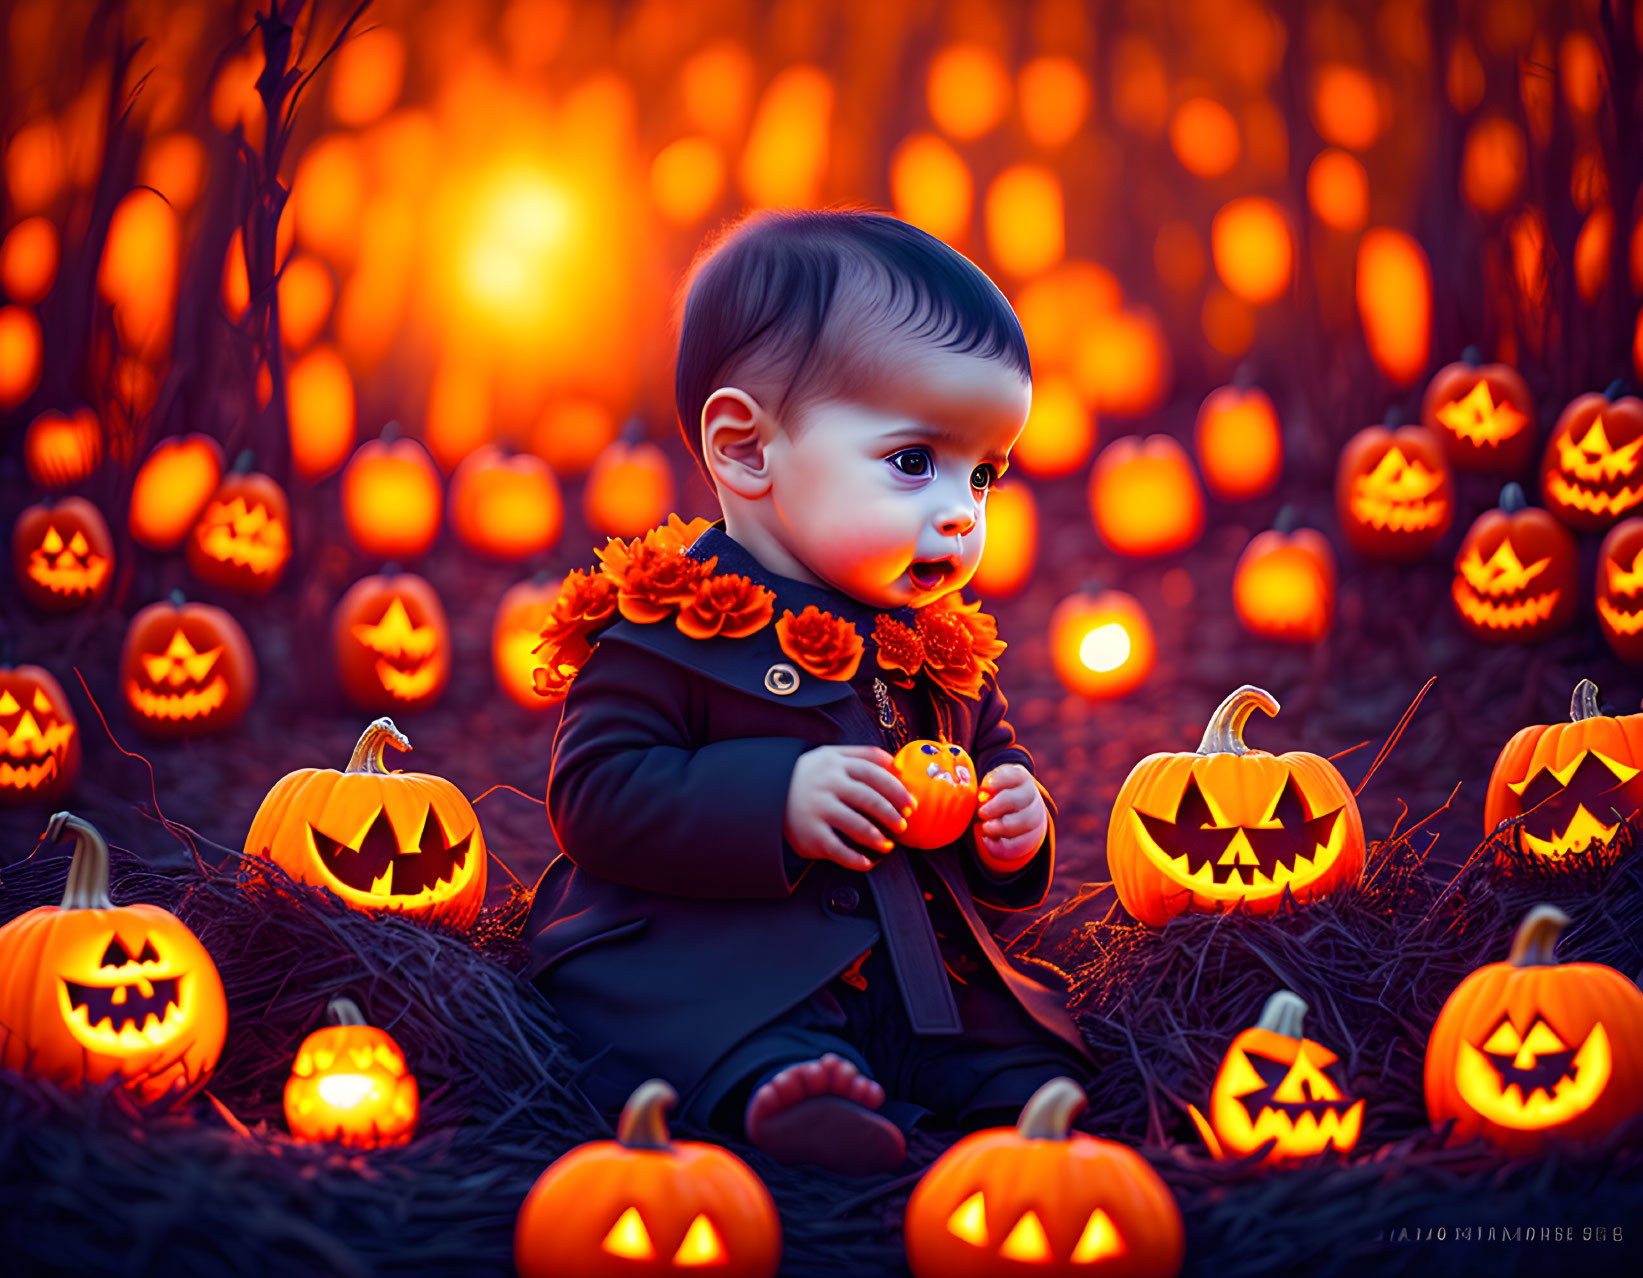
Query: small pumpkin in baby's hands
point(942, 780)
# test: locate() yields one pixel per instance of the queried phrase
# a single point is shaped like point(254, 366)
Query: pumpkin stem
point(1243, 377)
point(245, 461)
point(178, 599)
point(1287, 519)
point(1512, 499)
point(1393, 417)
point(344, 1011)
point(643, 1124)
point(1471, 355)
point(1583, 705)
point(390, 432)
point(87, 887)
point(1611, 392)
point(1049, 1112)
point(1283, 1014)
point(1225, 733)
point(373, 742)
point(1537, 936)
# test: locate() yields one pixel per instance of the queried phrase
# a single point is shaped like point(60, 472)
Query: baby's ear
point(736, 434)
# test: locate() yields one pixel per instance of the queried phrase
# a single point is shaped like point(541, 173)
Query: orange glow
point(319, 394)
point(572, 432)
point(60, 450)
point(392, 499)
point(1056, 307)
point(1144, 496)
point(1337, 188)
point(1464, 80)
point(1122, 363)
point(968, 90)
point(1637, 345)
point(459, 410)
point(21, 350)
point(1178, 256)
point(1101, 646)
point(508, 507)
point(687, 178)
point(306, 293)
point(1284, 586)
point(367, 73)
point(373, 300)
point(326, 196)
point(1346, 106)
point(1060, 430)
point(1592, 250)
point(717, 86)
point(1493, 164)
point(1026, 225)
point(175, 166)
point(1054, 97)
point(1239, 445)
point(1580, 72)
point(401, 151)
point(28, 260)
point(1588, 178)
point(1252, 248)
point(1266, 138)
point(1012, 541)
point(1527, 234)
point(1140, 88)
point(138, 273)
point(1228, 323)
point(629, 491)
point(34, 166)
point(1637, 256)
point(522, 229)
point(515, 633)
point(1536, 91)
point(1204, 136)
point(931, 187)
point(172, 488)
point(234, 98)
point(1394, 291)
point(788, 144)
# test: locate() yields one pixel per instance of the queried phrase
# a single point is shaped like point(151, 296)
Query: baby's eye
point(913, 461)
point(983, 476)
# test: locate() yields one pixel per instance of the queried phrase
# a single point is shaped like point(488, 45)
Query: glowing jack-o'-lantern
point(1229, 826)
point(90, 990)
point(515, 634)
point(243, 538)
point(646, 1205)
point(349, 1083)
point(1571, 783)
point(408, 842)
point(1101, 645)
point(1592, 471)
point(1239, 445)
point(392, 498)
point(1040, 1198)
point(1532, 1052)
point(1620, 590)
point(630, 488)
point(1274, 1085)
point(1144, 496)
point(63, 554)
point(942, 780)
point(1515, 572)
point(392, 642)
point(1483, 413)
point(1283, 586)
point(172, 488)
point(186, 668)
point(39, 737)
point(61, 450)
point(1394, 492)
point(507, 507)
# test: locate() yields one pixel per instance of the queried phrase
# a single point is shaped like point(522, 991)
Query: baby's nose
point(956, 523)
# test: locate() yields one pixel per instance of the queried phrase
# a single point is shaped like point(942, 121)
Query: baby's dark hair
point(786, 304)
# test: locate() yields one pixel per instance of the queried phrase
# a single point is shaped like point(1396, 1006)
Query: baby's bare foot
point(821, 1112)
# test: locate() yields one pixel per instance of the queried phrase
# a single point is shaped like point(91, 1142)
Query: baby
point(732, 912)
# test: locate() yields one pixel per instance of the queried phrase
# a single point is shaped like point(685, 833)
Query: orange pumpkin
point(392, 497)
point(1394, 492)
point(1515, 573)
point(392, 642)
point(1532, 1052)
point(1144, 496)
point(1274, 1086)
point(1572, 783)
point(1101, 644)
point(1283, 586)
point(1239, 445)
point(349, 1083)
point(1012, 541)
point(63, 554)
point(515, 635)
point(1483, 413)
point(648, 1206)
point(942, 780)
point(1228, 826)
point(60, 449)
point(507, 507)
point(186, 668)
point(242, 541)
point(1619, 585)
point(630, 488)
point(407, 842)
point(1592, 472)
point(90, 990)
point(39, 737)
point(1039, 1198)
point(172, 488)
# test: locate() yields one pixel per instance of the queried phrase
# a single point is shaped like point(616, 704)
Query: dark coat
point(677, 919)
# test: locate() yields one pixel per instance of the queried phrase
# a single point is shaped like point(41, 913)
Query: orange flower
point(653, 576)
point(961, 645)
point(729, 604)
point(676, 534)
point(899, 646)
point(562, 660)
point(826, 646)
point(585, 600)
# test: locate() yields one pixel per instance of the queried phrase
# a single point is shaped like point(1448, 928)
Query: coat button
point(844, 899)
point(781, 679)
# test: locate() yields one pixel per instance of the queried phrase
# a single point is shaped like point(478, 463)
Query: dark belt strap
point(904, 925)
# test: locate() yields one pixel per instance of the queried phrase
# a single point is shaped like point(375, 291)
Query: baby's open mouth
point(928, 574)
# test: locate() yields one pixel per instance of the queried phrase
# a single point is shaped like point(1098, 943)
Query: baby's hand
point(1012, 819)
point(848, 790)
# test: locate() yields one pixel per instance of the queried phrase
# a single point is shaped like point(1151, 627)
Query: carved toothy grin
point(380, 870)
point(127, 1017)
point(180, 705)
point(1503, 616)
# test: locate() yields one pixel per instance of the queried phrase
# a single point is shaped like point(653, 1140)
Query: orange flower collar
point(953, 644)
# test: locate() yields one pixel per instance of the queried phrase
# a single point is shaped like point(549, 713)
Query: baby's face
point(884, 495)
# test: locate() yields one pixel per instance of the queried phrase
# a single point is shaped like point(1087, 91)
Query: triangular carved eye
point(1027, 1241)
point(702, 1245)
point(148, 955)
point(969, 1221)
point(629, 1238)
point(1099, 1241)
point(116, 954)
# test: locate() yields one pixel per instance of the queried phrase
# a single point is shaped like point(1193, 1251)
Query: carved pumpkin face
point(392, 642)
point(243, 538)
point(63, 554)
point(1515, 573)
point(39, 738)
point(1530, 1051)
point(89, 990)
point(515, 634)
point(1040, 1199)
point(1484, 415)
point(1274, 1085)
point(1394, 492)
point(1592, 471)
point(942, 780)
point(186, 669)
point(1227, 824)
point(402, 841)
point(349, 1083)
point(649, 1206)
point(1571, 784)
point(1620, 589)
